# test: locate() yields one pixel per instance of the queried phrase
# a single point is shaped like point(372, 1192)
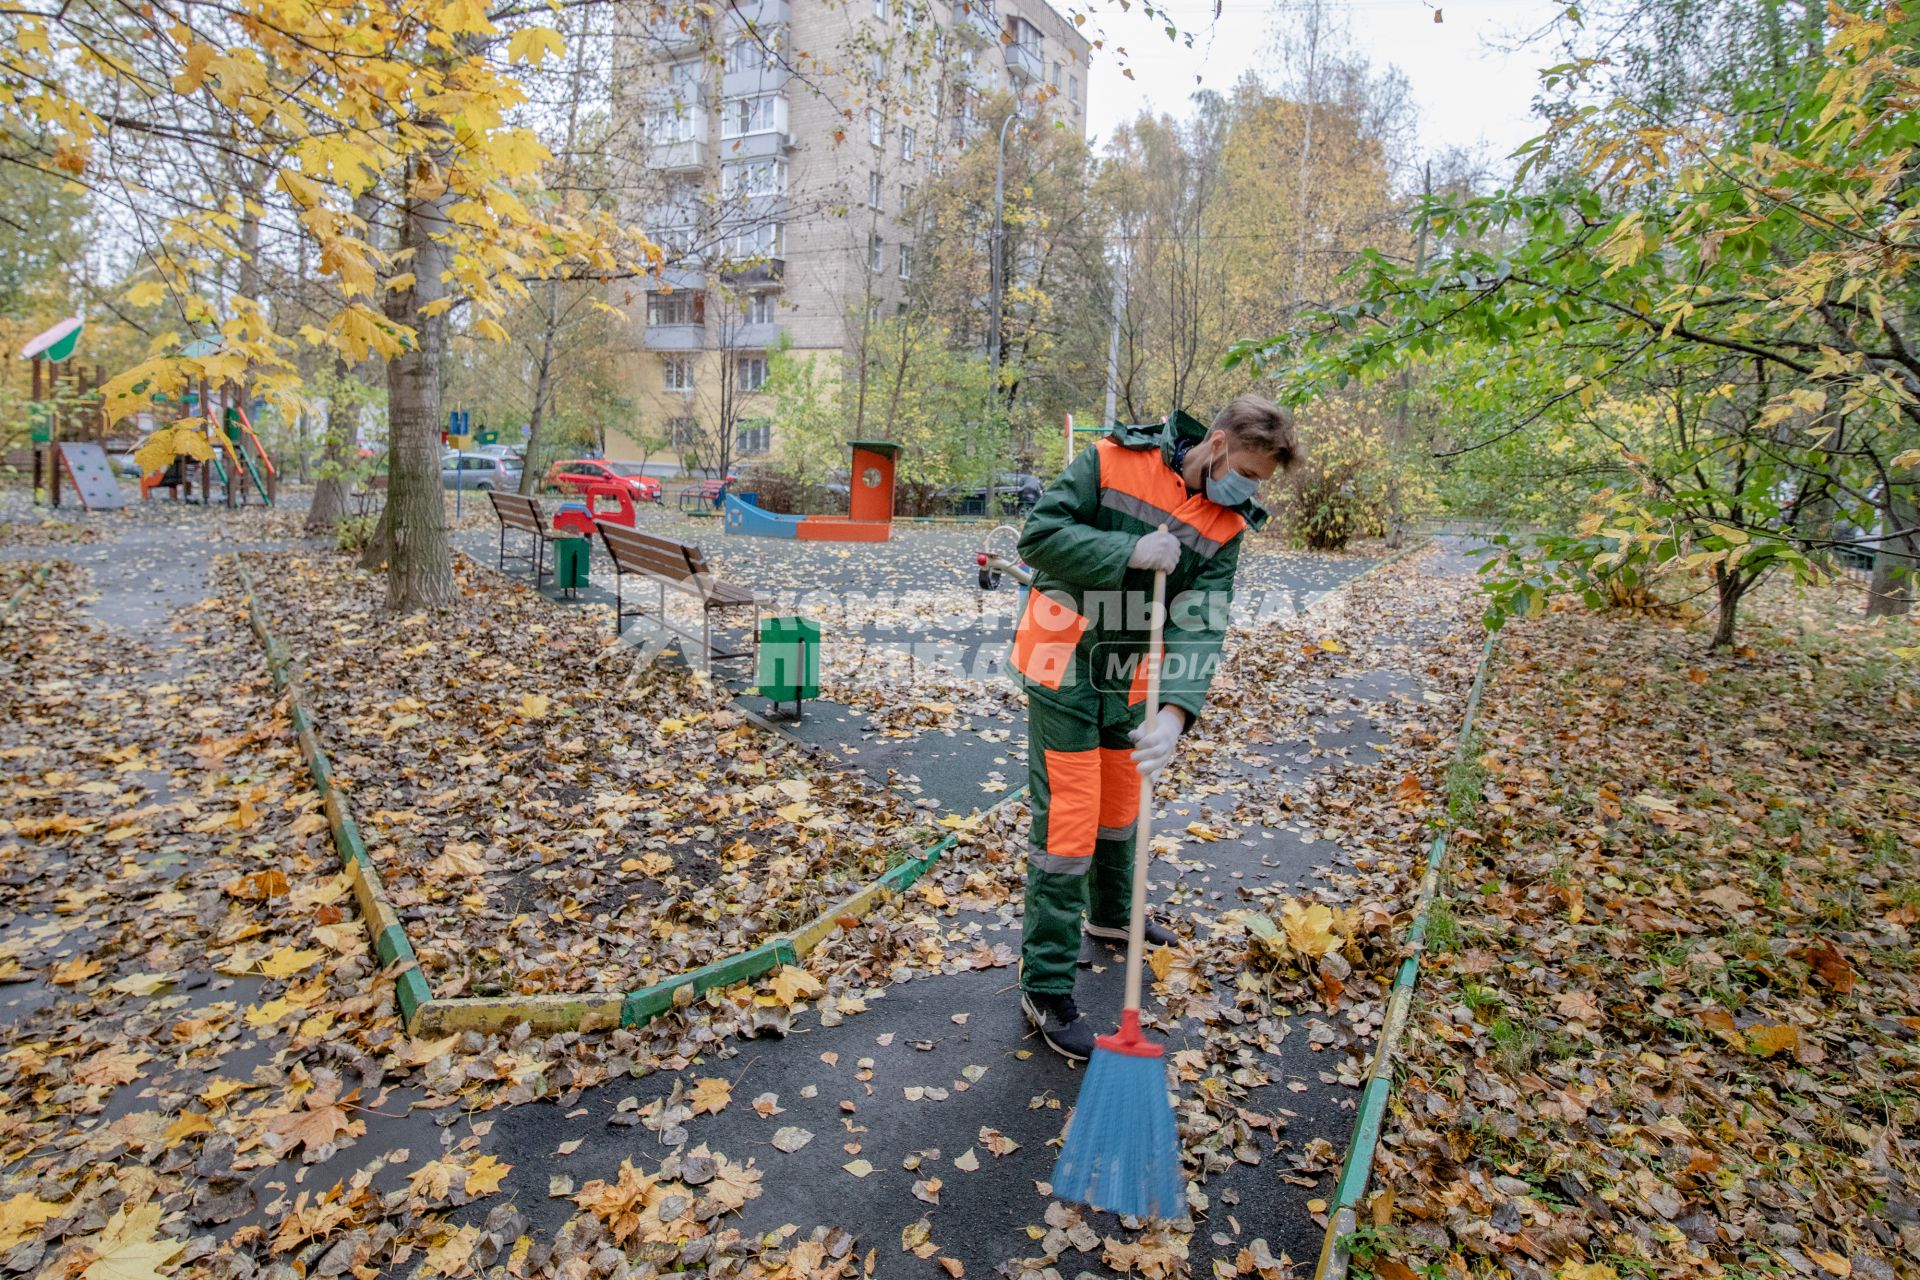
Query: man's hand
point(1153, 743)
point(1158, 551)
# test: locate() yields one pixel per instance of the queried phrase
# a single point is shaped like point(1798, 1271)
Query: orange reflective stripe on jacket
point(1043, 646)
point(1138, 483)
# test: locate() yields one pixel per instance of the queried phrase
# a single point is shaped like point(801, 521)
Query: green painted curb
point(411, 990)
point(390, 943)
point(1370, 1117)
point(650, 1002)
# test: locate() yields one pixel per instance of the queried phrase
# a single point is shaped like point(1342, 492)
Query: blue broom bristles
point(1122, 1150)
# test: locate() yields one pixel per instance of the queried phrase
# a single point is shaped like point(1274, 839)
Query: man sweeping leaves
point(1178, 500)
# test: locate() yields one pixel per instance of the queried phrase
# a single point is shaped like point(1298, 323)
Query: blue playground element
point(749, 518)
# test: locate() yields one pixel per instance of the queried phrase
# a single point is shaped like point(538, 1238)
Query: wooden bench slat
point(685, 568)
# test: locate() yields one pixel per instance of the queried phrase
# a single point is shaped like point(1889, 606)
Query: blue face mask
point(1231, 489)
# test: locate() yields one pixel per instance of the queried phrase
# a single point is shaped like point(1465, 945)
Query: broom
point(1122, 1151)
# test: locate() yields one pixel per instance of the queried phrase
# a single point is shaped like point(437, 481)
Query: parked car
point(596, 477)
point(506, 452)
point(477, 471)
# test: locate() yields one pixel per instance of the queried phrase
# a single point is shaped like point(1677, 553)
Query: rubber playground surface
point(884, 1111)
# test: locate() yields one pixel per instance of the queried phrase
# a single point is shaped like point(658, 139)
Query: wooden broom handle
point(1142, 848)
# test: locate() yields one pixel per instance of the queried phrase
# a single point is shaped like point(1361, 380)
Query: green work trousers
point(1085, 796)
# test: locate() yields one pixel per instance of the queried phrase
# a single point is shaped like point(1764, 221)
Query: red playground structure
point(869, 515)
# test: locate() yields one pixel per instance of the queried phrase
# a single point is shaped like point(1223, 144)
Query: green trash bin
point(789, 660)
point(569, 564)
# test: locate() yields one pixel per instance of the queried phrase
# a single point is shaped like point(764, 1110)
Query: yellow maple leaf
point(127, 1247)
point(792, 984)
point(78, 969)
point(1772, 1038)
point(189, 1123)
point(711, 1096)
point(485, 1175)
point(434, 1179)
point(21, 1215)
point(533, 44)
point(533, 706)
point(453, 1256)
point(265, 1015)
point(286, 962)
point(1309, 929)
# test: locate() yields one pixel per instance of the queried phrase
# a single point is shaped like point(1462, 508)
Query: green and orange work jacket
point(1085, 628)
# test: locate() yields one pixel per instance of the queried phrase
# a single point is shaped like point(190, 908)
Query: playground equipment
point(225, 455)
point(869, 515)
point(65, 423)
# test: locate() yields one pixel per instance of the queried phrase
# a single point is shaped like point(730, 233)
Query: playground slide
point(749, 518)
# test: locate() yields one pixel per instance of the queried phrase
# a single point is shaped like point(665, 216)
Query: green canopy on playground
point(57, 343)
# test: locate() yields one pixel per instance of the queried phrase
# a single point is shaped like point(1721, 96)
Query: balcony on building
point(1024, 62)
point(669, 34)
point(759, 131)
point(760, 14)
point(757, 337)
point(748, 272)
point(677, 155)
point(673, 337)
point(977, 19)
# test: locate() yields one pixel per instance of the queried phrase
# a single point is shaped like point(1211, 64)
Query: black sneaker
point(1059, 1023)
point(1158, 935)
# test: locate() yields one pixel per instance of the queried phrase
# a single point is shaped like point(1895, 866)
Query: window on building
point(751, 372)
point(754, 51)
point(753, 437)
point(877, 67)
point(1056, 75)
point(906, 143)
point(676, 373)
point(906, 198)
point(762, 308)
point(906, 263)
point(668, 122)
point(873, 189)
point(754, 178)
point(876, 131)
point(880, 9)
point(683, 433)
point(685, 78)
point(876, 253)
point(1073, 88)
point(754, 113)
point(760, 241)
point(680, 307)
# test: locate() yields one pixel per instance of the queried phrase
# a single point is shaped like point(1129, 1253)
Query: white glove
point(1154, 741)
point(1158, 551)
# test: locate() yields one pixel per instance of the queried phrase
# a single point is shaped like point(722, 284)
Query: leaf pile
point(1669, 1021)
point(548, 813)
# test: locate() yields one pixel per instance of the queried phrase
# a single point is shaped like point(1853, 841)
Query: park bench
point(525, 516)
point(371, 496)
point(683, 567)
point(702, 496)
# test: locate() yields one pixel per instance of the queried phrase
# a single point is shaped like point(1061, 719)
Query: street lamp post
point(996, 272)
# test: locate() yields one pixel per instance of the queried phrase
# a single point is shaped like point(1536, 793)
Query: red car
point(592, 478)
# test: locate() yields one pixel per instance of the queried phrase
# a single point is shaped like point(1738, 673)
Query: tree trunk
point(1896, 563)
point(330, 494)
point(419, 562)
point(1728, 587)
point(542, 391)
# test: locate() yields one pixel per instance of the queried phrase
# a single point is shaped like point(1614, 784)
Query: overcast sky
point(1468, 89)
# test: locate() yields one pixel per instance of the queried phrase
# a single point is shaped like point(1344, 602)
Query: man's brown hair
point(1255, 422)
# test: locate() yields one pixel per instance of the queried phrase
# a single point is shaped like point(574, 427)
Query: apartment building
point(784, 142)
